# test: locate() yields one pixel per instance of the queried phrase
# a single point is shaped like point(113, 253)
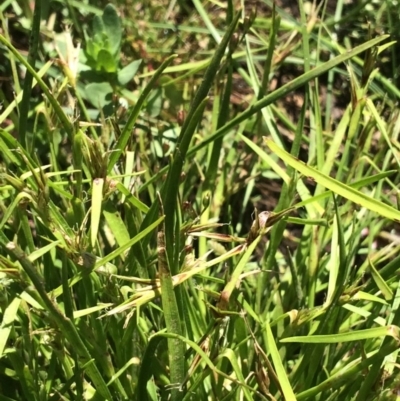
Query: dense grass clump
point(199, 201)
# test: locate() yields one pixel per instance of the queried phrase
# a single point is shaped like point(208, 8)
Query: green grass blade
point(336, 186)
point(348, 374)
point(205, 358)
point(171, 187)
point(176, 350)
point(358, 335)
point(10, 314)
point(65, 123)
point(230, 355)
point(115, 223)
point(97, 200)
point(232, 283)
point(279, 368)
point(380, 282)
point(100, 262)
point(333, 263)
point(9, 109)
point(286, 89)
point(127, 131)
point(32, 56)
point(62, 322)
point(204, 15)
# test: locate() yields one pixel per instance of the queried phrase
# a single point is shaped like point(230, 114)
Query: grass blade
point(336, 186)
point(10, 314)
point(279, 368)
point(172, 319)
point(285, 89)
point(63, 322)
point(32, 55)
point(66, 124)
point(127, 131)
point(358, 335)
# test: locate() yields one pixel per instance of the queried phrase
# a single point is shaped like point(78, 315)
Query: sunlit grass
point(137, 259)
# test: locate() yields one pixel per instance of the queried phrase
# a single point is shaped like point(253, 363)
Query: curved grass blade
point(126, 132)
point(8, 110)
point(205, 358)
point(65, 324)
point(286, 89)
point(392, 331)
point(32, 55)
point(230, 355)
point(347, 374)
point(171, 186)
point(66, 124)
point(336, 186)
point(380, 282)
point(232, 283)
point(10, 314)
point(279, 368)
point(102, 262)
point(176, 351)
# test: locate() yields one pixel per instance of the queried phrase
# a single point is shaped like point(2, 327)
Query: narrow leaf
point(10, 314)
point(380, 282)
point(280, 370)
point(127, 131)
point(336, 186)
point(97, 199)
point(392, 331)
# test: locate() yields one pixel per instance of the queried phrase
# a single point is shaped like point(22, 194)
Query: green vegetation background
point(199, 200)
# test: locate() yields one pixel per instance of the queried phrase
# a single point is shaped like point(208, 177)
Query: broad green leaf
point(98, 94)
point(113, 29)
point(106, 61)
point(98, 26)
point(155, 102)
point(128, 72)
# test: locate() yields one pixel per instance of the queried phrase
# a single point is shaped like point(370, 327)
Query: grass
point(141, 258)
